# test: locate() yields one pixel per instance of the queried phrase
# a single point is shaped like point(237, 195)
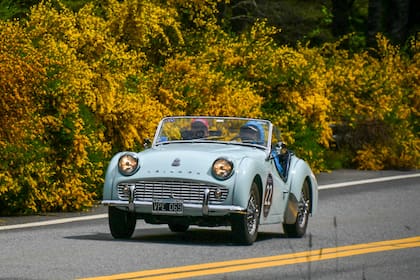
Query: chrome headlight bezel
point(222, 169)
point(128, 164)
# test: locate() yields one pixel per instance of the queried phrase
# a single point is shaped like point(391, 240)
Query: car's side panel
point(273, 189)
point(275, 196)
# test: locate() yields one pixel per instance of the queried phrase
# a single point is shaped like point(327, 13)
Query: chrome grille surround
point(188, 191)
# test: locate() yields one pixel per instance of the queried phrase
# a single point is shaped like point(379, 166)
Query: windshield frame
point(182, 121)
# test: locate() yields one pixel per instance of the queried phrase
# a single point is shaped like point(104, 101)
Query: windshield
point(242, 131)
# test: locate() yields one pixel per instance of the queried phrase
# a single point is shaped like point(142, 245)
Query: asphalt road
point(370, 230)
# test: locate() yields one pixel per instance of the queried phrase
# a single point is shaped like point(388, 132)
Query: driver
point(252, 132)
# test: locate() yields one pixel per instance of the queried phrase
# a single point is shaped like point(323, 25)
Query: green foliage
point(11, 9)
point(79, 84)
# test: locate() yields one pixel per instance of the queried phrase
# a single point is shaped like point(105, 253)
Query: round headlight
point(222, 168)
point(127, 164)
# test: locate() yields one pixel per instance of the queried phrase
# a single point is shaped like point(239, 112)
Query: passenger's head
point(199, 128)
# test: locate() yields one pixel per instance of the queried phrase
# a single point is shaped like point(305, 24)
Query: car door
point(275, 194)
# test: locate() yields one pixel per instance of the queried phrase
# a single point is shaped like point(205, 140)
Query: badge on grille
point(176, 162)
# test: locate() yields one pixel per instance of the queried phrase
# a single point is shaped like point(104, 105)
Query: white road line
point(367, 181)
point(102, 216)
point(55, 222)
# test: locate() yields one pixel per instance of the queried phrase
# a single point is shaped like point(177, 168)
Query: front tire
point(245, 226)
point(298, 229)
point(121, 223)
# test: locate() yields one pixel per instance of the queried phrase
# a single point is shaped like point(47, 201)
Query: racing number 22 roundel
point(268, 197)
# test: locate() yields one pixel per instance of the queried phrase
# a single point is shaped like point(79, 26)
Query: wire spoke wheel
point(245, 226)
point(303, 212)
point(252, 214)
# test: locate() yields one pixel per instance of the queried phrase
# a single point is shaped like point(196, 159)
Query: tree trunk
point(341, 13)
point(389, 17)
point(398, 27)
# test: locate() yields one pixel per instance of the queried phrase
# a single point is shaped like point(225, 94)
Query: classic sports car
point(211, 171)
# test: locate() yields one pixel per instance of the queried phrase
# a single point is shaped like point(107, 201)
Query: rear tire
point(298, 229)
point(121, 223)
point(245, 226)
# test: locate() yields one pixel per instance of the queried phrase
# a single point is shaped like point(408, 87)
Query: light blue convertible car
point(211, 171)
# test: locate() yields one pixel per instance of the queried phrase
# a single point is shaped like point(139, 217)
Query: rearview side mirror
point(147, 143)
point(281, 148)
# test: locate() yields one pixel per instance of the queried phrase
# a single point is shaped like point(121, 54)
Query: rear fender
point(301, 172)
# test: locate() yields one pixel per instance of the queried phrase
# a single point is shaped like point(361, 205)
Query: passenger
point(199, 128)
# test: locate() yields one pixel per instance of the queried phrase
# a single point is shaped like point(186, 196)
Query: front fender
point(247, 171)
point(110, 175)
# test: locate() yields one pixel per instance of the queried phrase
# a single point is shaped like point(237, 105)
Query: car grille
point(188, 191)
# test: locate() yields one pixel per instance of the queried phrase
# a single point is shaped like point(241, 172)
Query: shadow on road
point(194, 236)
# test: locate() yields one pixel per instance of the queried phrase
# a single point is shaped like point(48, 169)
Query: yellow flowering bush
point(88, 104)
point(375, 98)
point(187, 85)
point(21, 70)
point(284, 79)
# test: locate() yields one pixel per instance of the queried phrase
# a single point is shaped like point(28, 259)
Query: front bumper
point(202, 209)
point(145, 207)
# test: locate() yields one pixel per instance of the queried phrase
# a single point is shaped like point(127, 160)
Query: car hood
point(191, 159)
